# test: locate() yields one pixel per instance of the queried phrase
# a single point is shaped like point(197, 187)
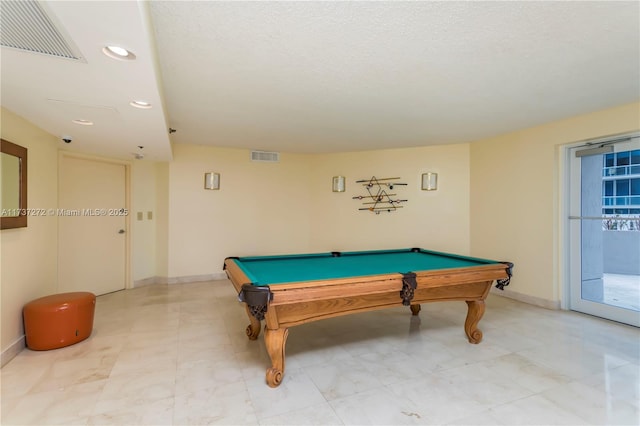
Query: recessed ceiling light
point(140, 104)
point(117, 52)
point(83, 122)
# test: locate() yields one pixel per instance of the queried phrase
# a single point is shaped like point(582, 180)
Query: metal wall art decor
point(378, 199)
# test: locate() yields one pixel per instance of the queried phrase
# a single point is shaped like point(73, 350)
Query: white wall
point(29, 255)
point(516, 195)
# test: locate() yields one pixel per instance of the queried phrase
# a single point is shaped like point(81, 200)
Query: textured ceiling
point(342, 76)
point(324, 76)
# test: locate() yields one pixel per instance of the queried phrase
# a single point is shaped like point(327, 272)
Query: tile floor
point(178, 354)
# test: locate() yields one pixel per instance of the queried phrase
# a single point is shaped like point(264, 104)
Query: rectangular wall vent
point(269, 157)
point(27, 26)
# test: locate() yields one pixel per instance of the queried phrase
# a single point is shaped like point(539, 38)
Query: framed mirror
point(13, 184)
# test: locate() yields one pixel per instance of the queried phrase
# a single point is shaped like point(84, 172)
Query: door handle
point(121, 231)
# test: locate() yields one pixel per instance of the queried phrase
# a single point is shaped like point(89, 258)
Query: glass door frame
point(572, 233)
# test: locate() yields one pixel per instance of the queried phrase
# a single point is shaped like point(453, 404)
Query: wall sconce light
point(212, 181)
point(338, 184)
point(429, 181)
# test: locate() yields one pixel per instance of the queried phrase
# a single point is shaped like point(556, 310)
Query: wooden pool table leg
point(415, 309)
point(474, 313)
point(253, 329)
point(275, 340)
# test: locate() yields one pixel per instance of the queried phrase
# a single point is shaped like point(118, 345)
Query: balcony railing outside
point(622, 200)
point(633, 169)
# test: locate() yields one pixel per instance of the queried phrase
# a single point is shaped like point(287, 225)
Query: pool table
point(289, 290)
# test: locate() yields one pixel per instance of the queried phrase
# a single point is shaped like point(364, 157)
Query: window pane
point(621, 211)
point(622, 158)
point(622, 187)
point(608, 160)
point(608, 211)
point(635, 156)
point(608, 188)
point(635, 186)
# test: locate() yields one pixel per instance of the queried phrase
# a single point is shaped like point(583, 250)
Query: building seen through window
point(621, 191)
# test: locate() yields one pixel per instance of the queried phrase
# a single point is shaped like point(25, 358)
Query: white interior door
point(92, 226)
point(604, 230)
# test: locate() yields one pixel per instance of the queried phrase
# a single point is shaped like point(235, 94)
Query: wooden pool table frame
point(287, 305)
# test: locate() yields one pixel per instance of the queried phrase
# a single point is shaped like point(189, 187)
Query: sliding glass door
point(604, 229)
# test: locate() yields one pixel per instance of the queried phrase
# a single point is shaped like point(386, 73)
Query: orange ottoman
point(58, 320)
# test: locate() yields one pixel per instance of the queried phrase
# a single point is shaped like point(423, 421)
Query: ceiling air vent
point(269, 157)
point(27, 26)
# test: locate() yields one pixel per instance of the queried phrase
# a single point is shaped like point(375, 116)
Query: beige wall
point(29, 255)
point(288, 207)
point(144, 232)
point(261, 208)
point(497, 198)
point(162, 220)
point(437, 220)
point(149, 193)
point(516, 194)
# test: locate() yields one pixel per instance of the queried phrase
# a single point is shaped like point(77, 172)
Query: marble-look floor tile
point(483, 385)
point(201, 376)
point(141, 362)
point(321, 414)
point(483, 418)
point(22, 375)
point(135, 389)
point(392, 367)
point(536, 410)
point(621, 383)
point(178, 354)
point(65, 373)
point(227, 404)
point(70, 405)
point(593, 405)
point(379, 406)
point(297, 391)
point(158, 412)
point(531, 376)
point(438, 398)
point(571, 359)
point(344, 378)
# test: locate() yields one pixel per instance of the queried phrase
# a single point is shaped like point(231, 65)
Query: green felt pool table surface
point(270, 270)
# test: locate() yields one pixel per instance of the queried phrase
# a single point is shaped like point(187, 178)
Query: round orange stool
point(58, 320)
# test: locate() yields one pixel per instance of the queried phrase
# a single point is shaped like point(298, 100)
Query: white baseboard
point(531, 300)
point(196, 278)
point(146, 282)
point(14, 349)
point(179, 280)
